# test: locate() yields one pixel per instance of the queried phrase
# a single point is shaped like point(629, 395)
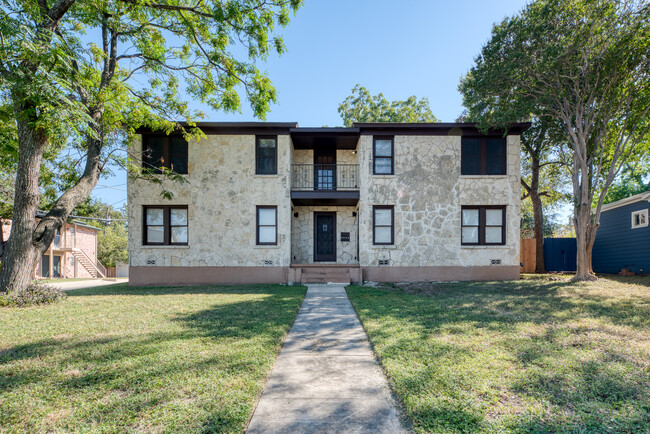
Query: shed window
point(640, 219)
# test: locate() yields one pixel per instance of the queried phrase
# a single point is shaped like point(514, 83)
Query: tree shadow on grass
point(204, 375)
point(125, 289)
point(568, 352)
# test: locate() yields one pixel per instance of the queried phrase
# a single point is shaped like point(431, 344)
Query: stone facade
point(221, 193)
point(427, 192)
point(302, 234)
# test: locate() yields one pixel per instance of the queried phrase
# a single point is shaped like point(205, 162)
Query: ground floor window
point(383, 225)
point(483, 225)
point(267, 225)
point(165, 225)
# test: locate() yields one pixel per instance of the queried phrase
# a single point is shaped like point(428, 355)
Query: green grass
point(118, 359)
point(527, 356)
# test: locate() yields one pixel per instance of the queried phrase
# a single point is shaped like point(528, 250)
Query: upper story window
point(640, 219)
point(266, 155)
point(267, 225)
point(160, 151)
point(383, 222)
point(165, 225)
point(483, 156)
point(382, 155)
point(483, 225)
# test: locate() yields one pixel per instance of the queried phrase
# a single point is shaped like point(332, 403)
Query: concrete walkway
point(326, 378)
point(64, 285)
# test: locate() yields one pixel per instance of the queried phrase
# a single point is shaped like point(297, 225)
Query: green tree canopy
point(360, 106)
point(582, 65)
point(89, 73)
point(113, 244)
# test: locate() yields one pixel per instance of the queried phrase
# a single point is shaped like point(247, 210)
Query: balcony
point(325, 184)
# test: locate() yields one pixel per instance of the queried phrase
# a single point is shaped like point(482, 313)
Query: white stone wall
point(303, 156)
point(306, 156)
point(427, 191)
point(222, 191)
point(302, 234)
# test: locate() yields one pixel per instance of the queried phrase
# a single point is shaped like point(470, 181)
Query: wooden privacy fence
point(527, 255)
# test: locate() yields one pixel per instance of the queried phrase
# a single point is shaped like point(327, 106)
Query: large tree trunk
point(20, 253)
point(585, 235)
point(28, 241)
point(538, 216)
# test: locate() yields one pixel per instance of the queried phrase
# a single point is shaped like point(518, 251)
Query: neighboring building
point(623, 238)
point(72, 254)
point(271, 202)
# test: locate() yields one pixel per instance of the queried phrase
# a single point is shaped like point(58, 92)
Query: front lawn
point(117, 359)
point(533, 355)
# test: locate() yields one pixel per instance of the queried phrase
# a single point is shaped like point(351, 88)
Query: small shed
point(623, 238)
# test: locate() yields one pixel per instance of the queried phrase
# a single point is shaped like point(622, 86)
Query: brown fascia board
point(213, 128)
point(434, 128)
point(326, 131)
point(358, 128)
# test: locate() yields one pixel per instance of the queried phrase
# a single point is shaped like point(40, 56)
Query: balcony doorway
point(324, 170)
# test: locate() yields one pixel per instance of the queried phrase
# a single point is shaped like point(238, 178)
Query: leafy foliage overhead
point(360, 106)
point(582, 67)
point(130, 57)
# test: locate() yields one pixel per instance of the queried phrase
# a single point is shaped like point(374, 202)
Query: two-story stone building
point(272, 202)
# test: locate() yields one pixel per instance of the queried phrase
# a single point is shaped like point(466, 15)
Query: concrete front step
point(308, 278)
point(324, 273)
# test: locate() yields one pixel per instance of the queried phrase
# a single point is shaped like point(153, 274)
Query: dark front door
point(324, 236)
point(324, 169)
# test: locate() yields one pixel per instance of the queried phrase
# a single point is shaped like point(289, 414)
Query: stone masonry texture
point(427, 192)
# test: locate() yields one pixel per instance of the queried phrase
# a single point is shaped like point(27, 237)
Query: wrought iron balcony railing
point(325, 177)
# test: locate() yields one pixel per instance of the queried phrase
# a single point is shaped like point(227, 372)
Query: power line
point(106, 219)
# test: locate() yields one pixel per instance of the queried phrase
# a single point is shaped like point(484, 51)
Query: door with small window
point(324, 236)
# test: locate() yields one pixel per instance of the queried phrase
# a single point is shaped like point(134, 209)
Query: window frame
point(258, 138)
point(392, 225)
point(482, 163)
point(166, 144)
point(166, 225)
point(643, 212)
point(257, 225)
point(374, 155)
point(482, 224)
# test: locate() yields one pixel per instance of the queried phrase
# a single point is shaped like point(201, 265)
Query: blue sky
point(401, 48)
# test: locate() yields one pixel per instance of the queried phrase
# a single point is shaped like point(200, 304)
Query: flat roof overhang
point(337, 138)
point(346, 138)
point(325, 198)
point(435, 129)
